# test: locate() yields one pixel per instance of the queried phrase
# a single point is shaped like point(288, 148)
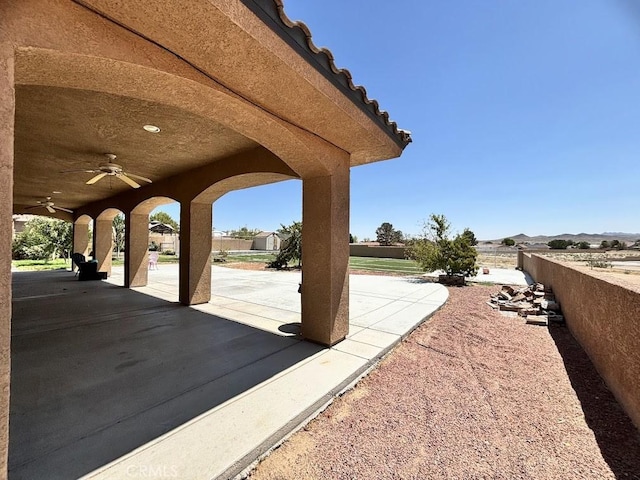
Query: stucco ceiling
point(58, 129)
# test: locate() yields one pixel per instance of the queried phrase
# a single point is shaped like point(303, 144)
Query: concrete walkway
point(498, 276)
point(112, 383)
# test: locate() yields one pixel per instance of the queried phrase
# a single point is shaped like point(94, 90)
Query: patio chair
point(77, 259)
point(153, 260)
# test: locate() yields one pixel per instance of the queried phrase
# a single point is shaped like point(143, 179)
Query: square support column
point(136, 249)
point(195, 253)
point(103, 244)
point(325, 257)
point(7, 114)
point(80, 240)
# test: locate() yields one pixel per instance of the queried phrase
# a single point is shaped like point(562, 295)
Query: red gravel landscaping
point(470, 394)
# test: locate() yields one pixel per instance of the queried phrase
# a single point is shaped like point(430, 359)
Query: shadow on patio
point(99, 370)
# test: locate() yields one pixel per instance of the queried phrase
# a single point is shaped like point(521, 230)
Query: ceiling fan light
point(151, 128)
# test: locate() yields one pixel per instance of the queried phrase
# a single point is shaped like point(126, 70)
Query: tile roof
point(296, 32)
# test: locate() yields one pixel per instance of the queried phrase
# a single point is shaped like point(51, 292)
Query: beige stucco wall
point(166, 242)
point(7, 104)
point(605, 319)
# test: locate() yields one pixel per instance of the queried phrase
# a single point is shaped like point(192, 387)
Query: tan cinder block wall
point(222, 243)
point(604, 318)
point(356, 250)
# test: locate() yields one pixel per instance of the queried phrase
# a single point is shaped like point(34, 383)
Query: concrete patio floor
point(113, 383)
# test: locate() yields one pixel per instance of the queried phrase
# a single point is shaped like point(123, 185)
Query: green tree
point(244, 233)
point(387, 235)
point(435, 250)
point(583, 245)
point(164, 217)
point(118, 233)
point(43, 239)
point(470, 236)
point(559, 244)
point(509, 242)
point(604, 244)
point(618, 245)
point(291, 249)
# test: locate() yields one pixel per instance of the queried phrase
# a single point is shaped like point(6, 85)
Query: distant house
point(266, 241)
point(161, 228)
point(164, 237)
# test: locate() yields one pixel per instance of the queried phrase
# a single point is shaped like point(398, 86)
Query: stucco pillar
point(195, 253)
point(136, 249)
point(103, 244)
point(325, 257)
point(7, 111)
point(80, 239)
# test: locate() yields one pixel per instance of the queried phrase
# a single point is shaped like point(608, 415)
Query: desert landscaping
point(469, 394)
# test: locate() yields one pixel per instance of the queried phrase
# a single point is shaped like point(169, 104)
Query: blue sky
point(525, 115)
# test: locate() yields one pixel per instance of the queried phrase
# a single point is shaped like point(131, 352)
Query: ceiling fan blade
point(127, 180)
point(31, 208)
point(51, 210)
point(84, 170)
point(96, 178)
point(137, 176)
point(63, 209)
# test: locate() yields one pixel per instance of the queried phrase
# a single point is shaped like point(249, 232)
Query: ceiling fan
point(113, 170)
point(49, 205)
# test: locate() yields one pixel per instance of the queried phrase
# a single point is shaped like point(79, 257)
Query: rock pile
point(536, 303)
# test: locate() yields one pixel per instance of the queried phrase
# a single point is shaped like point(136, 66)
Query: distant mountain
point(576, 237)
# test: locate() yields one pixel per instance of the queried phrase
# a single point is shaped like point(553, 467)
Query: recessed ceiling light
point(55, 191)
point(152, 128)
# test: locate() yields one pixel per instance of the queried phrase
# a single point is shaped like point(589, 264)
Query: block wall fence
point(604, 318)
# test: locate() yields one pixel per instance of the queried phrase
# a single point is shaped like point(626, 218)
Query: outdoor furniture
point(89, 271)
point(77, 259)
point(153, 260)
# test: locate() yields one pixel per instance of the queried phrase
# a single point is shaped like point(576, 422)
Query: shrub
point(169, 252)
point(154, 247)
point(599, 263)
point(559, 244)
point(509, 242)
point(436, 251)
point(291, 248)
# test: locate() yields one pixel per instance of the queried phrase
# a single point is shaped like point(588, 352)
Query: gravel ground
point(470, 394)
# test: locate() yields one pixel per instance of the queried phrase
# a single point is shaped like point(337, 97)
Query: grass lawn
point(251, 257)
point(161, 259)
point(59, 263)
point(32, 265)
point(393, 265)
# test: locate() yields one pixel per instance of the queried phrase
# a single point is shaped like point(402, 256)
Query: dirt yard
point(470, 394)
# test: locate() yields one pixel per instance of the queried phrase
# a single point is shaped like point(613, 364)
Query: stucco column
point(136, 249)
point(7, 111)
point(80, 239)
point(195, 253)
point(325, 257)
point(103, 244)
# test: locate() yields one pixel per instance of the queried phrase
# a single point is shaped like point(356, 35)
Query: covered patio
point(132, 382)
point(200, 100)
